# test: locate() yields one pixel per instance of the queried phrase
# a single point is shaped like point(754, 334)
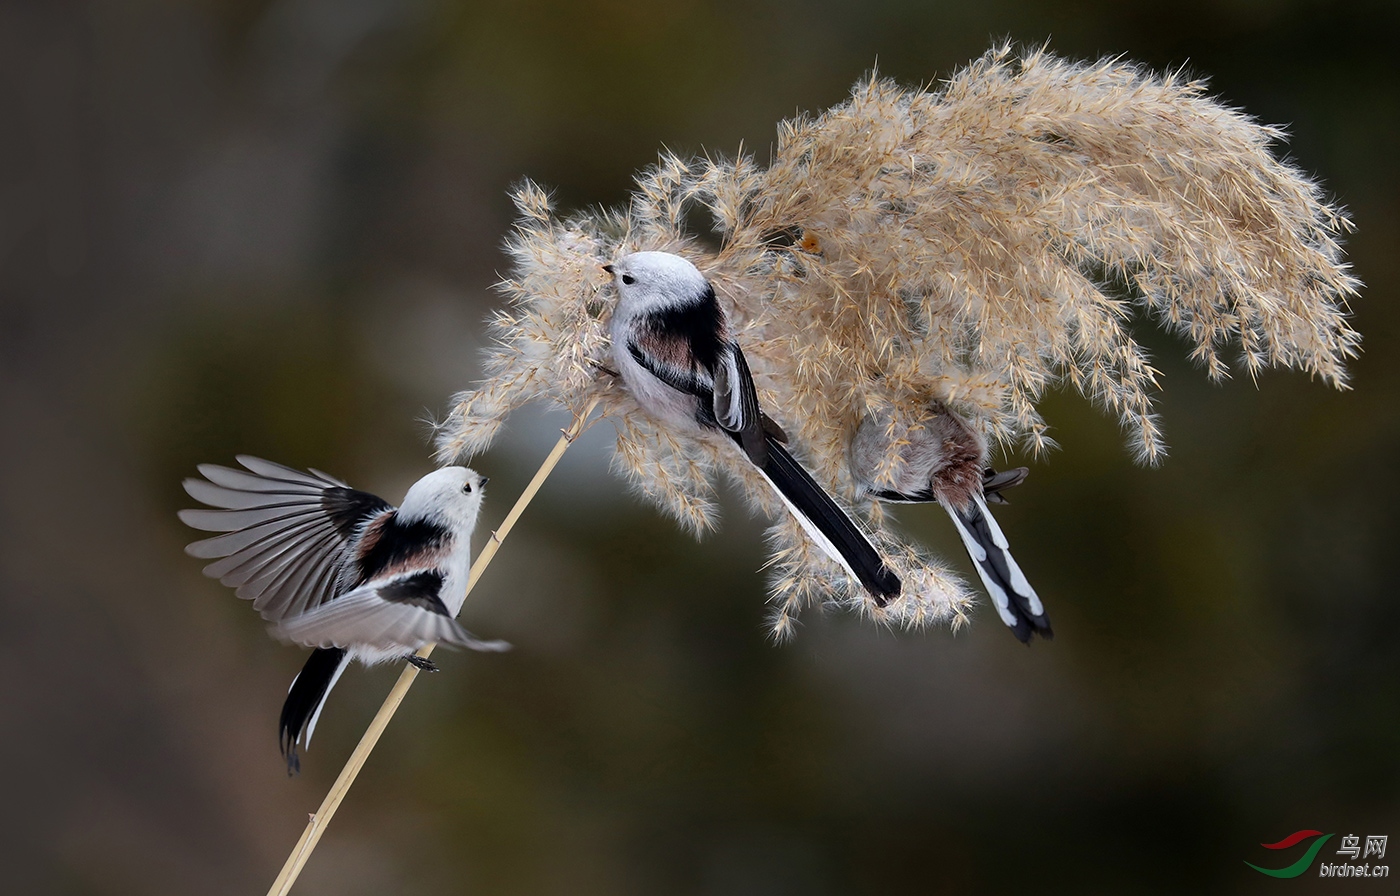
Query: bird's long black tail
point(305, 698)
point(1015, 600)
point(827, 524)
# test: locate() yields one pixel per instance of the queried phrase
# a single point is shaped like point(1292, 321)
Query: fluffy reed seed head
point(971, 245)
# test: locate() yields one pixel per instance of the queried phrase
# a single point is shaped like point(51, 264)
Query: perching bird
point(939, 457)
point(340, 570)
point(672, 347)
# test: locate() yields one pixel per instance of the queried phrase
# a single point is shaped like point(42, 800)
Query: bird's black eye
point(628, 279)
point(467, 488)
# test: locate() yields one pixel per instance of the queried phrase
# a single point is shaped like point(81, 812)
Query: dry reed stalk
point(317, 825)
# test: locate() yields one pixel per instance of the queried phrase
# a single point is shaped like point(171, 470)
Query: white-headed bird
point(673, 349)
point(340, 570)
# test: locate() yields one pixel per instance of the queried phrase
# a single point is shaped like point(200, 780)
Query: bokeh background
point(273, 227)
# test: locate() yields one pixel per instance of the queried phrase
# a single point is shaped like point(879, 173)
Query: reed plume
point(971, 245)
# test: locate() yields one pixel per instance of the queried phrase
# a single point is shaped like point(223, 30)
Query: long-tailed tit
point(673, 350)
point(939, 457)
point(340, 570)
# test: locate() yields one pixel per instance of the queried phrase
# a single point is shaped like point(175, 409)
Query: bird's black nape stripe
point(398, 543)
point(701, 323)
point(419, 590)
point(349, 508)
point(797, 485)
point(306, 694)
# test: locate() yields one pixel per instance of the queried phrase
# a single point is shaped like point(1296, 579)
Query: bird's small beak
point(608, 268)
point(484, 480)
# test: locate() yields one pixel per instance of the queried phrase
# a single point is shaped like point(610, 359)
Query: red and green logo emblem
point(1304, 861)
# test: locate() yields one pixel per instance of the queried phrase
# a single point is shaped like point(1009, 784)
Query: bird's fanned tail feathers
point(827, 524)
point(305, 698)
point(1015, 600)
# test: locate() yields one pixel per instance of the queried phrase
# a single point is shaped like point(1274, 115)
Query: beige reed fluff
point(971, 245)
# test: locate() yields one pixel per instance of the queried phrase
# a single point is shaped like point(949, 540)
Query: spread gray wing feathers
point(311, 553)
point(286, 533)
point(338, 569)
point(387, 614)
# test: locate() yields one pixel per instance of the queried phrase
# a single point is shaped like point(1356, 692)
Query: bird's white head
point(451, 495)
point(655, 281)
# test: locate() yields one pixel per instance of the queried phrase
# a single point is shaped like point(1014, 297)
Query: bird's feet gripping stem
point(422, 663)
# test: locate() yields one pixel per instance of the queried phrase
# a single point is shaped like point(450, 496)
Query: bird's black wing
point(736, 405)
point(287, 533)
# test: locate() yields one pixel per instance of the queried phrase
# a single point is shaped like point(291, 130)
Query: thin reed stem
point(319, 821)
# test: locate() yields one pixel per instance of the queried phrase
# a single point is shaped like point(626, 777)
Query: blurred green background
point(272, 227)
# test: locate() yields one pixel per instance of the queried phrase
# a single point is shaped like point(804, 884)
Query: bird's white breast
point(456, 572)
